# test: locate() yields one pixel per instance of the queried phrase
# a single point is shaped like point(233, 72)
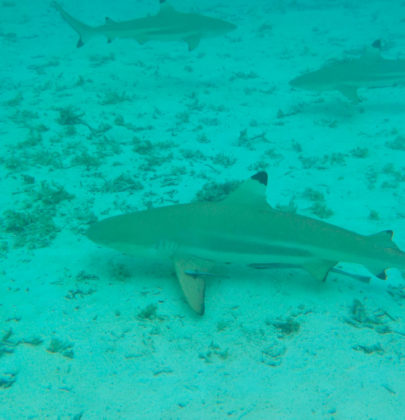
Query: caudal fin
point(85, 31)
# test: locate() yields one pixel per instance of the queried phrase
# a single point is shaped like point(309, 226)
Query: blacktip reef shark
point(370, 70)
point(242, 228)
point(167, 25)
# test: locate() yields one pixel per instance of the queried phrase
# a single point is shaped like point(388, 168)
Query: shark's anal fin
point(192, 284)
point(319, 269)
point(382, 239)
point(349, 92)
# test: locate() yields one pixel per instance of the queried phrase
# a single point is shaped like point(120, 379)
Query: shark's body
point(347, 76)
point(167, 25)
point(243, 228)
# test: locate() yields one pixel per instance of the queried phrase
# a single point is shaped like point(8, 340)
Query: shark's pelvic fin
point(192, 42)
point(350, 92)
point(193, 285)
point(319, 269)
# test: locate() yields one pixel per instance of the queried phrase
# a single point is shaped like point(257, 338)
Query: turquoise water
point(118, 127)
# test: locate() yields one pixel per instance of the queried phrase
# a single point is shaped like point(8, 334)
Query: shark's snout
point(102, 232)
point(297, 82)
point(92, 233)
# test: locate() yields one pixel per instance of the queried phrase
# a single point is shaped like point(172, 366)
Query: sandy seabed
point(88, 333)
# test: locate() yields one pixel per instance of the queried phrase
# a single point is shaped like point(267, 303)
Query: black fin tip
point(261, 177)
point(382, 275)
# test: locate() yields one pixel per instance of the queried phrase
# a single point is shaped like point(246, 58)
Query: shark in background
point(368, 71)
point(167, 25)
point(244, 229)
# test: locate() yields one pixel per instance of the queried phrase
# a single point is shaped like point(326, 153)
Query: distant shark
point(243, 228)
point(347, 76)
point(167, 25)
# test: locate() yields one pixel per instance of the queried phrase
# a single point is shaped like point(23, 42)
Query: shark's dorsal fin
point(165, 7)
point(371, 54)
point(384, 238)
point(377, 44)
point(252, 192)
point(350, 92)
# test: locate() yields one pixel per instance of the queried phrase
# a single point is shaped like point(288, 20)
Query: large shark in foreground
point(347, 76)
point(167, 25)
point(243, 228)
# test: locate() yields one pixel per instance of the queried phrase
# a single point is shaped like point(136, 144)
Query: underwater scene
point(202, 210)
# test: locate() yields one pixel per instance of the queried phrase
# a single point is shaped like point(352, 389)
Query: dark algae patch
point(286, 327)
point(62, 347)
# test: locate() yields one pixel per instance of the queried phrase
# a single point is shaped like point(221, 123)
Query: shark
point(199, 237)
point(167, 25)
point(370, 70)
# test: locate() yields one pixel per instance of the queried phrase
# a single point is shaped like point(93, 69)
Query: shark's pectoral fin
point(192, 42)
point(349, 92)
point(319, 269)
point(192, 284)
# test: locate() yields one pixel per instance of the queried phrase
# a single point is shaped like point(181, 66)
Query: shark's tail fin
point(85, 31)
